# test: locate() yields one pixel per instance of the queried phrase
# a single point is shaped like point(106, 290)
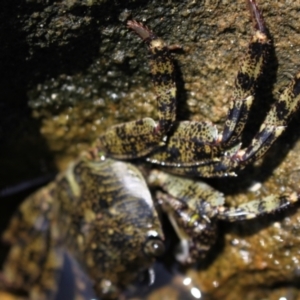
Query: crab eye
point(154, 247)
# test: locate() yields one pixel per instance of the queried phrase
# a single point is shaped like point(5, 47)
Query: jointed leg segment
point(251, 68)
point(139, 138)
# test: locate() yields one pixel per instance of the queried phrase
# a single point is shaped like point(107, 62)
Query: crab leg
point(255, 208)
point(191, 143)
point(138, 138)
point(250, 70)
point(273, 126)
point(275, 121)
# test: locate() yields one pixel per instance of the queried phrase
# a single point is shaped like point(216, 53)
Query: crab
point(99, 217)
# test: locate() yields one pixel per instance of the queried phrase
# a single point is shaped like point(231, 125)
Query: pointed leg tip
point(141, 30)
point(257, 17)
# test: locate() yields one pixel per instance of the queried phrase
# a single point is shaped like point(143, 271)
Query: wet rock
point(70, 69)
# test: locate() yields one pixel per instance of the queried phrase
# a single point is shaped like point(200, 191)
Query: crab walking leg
point(190, 191)
point(255, 208)
point(138, 138)
point(274, 124)
point(163, 75)
point(189, 144)
point(250, 70)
